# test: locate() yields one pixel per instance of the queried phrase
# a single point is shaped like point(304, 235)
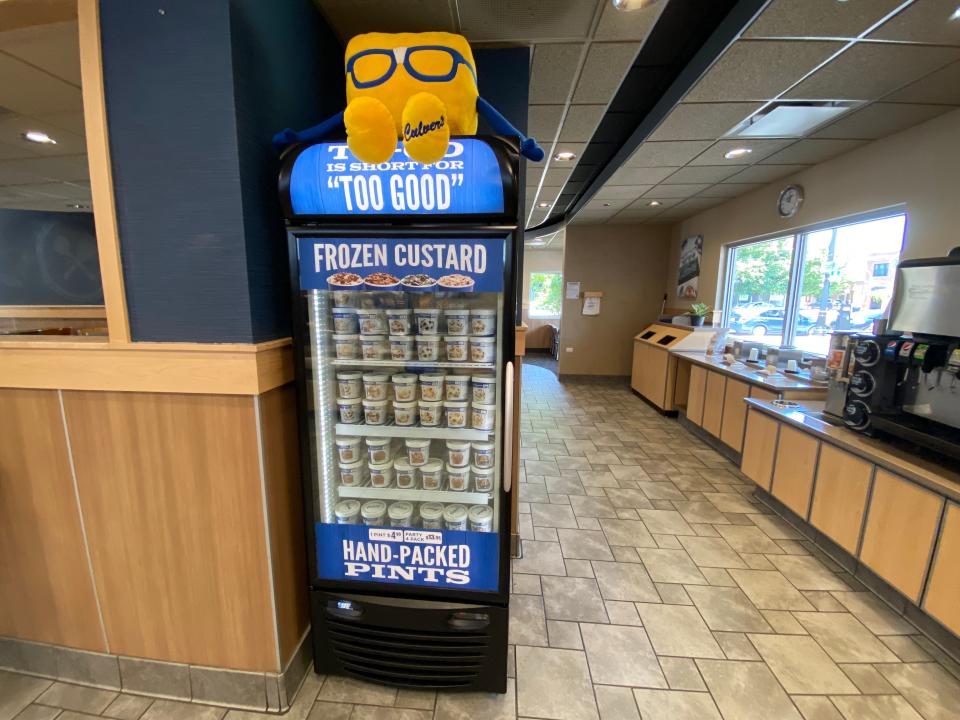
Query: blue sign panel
point(327, 179)
point(452, 559)
point(412, 264)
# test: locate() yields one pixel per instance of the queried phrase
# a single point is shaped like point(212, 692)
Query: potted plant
point(698, 313)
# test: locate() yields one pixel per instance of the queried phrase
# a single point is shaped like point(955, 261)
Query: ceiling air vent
point(790, 119)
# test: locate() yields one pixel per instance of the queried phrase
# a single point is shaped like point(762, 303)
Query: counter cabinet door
point(840, 496)
point(759, 448)
point(901, 528)
point(698, 385)
point(793, 473)
point(734, 413)
point(942, 599)
point(713, 403)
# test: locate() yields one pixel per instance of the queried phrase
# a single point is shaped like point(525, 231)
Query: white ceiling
point(899, 59)
point(40, 90)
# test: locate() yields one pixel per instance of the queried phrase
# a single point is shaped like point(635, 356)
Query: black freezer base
point(419, 644)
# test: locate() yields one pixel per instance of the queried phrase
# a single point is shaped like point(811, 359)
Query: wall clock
point(790, 200)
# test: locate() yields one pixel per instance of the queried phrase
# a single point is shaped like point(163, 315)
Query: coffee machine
point(839, 365)
point(906, 382)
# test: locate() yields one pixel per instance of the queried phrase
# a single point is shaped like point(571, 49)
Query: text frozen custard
point(457, 257)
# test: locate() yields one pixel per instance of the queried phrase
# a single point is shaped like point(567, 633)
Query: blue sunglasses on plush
point(369, 68)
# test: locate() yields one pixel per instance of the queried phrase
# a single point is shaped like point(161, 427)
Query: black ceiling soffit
point(687, 38)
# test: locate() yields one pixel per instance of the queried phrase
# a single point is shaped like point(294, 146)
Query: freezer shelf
point(341, 362)
point(421, 433)
point(438, 496)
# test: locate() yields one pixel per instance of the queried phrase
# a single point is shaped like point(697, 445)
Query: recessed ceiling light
point(78, 206)
point(653, 203)
point(628, 5)
point(737, 152)
point(543, 204)
point(607, 205)
point(564, 155)
point(956, 14)
point(35, 136)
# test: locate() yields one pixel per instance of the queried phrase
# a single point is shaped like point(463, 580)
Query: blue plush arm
point(528, 146)
point(287, 136)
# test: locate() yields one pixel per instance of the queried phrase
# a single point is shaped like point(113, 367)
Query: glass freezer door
point(405, 392)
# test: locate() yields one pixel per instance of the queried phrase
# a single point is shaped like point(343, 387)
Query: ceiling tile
point(580, 122)
point(819, 18)
point(643, 204)
point(702, 121)
point(656, 154)
point(525, 20)
point(11, 148)
point(881, 119)
point(603, 71)
point(621, 192)
point(927, 21)
point(591, 217)
point(54, 48)
point(869, 70)
point(552, 73)
point(634, 25)
point(699, 203)
point(556, 176)
point(26, 90)
point(943, 87)
point(729, 190)
point(352, 17)
point(543, 122)
point(675, 192)
point(606, 204)
point(69, 121)
point(41, 170)
point(760, 149)
point(640, 176)
point(701, 174)
point(812, 152)
point(764, 173)
point(65, 192)
point(760, 70)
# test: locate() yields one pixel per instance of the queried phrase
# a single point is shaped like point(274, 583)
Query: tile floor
point(652, 587)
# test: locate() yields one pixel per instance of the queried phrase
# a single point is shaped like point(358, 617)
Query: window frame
point(799, 235)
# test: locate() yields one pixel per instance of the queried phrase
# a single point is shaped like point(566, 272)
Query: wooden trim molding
point(101, 172)
point(189, 368)
point(54, 312)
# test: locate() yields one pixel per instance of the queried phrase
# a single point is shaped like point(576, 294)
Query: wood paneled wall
point(169, 496)
point(281, 468)
point(46, 593)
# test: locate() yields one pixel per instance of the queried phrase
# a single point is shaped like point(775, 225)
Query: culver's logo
point(420, 130)
point(439, 564)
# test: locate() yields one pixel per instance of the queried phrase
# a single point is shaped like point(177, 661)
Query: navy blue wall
point(193, 96)
point(504, 78)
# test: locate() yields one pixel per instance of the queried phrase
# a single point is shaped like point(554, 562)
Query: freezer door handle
point(508, 430)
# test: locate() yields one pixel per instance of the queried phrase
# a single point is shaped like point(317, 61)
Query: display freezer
point(404, 328)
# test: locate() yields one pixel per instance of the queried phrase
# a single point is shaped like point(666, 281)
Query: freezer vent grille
point(408, 658)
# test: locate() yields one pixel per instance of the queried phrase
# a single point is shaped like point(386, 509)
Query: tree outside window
point(546, 293)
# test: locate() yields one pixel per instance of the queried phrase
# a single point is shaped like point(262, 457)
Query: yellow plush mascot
point(418, 87)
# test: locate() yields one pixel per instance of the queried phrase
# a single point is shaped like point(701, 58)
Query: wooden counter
point(712, 394)
point(891, 516)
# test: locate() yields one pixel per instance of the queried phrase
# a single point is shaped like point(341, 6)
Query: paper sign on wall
point(573, 291)
point(591, 303)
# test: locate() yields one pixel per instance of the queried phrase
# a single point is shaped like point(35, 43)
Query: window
point(545, 294)
point(798, 289)
point(758, 283)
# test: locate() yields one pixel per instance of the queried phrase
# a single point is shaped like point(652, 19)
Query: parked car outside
point(770, 322)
